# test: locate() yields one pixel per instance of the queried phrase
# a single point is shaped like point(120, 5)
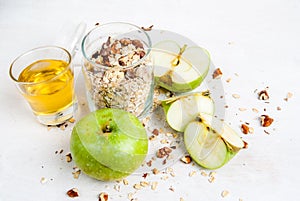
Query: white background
point(255, 43)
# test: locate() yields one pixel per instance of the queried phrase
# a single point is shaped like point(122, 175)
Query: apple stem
point(176, 60)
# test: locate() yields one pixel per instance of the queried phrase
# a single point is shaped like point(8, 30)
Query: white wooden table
point(256, 45)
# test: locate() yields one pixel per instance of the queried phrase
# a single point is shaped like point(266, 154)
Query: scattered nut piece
point(69, 157)
point(228, 80)
point(72, 120)
point(171, 188)
point(278, 108)
point(224, 193)
point(149, 163)
point(245, 145)
point(236, 96)
point(266, 120)
point(76, 172)
point(162, 152)
point(155, 171)
point(263, 95)
point(155, 132)
point(152, 137)
point(217, 74)
point(103, 196)
point(148, 28)
point(288, 96)
point(245, 128)
point(154, 185)
point(72, 193)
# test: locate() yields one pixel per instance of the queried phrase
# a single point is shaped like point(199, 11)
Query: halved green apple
point(179, 69)
point(183, 109)
point(211, 142)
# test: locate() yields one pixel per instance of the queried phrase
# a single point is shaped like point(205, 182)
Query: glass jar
point(117, 68)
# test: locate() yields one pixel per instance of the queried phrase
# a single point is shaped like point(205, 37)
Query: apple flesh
point(179, 69)
point(109, 144)
point(181, 110)
point(210, 142)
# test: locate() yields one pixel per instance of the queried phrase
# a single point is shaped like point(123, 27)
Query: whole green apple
point(109, 144)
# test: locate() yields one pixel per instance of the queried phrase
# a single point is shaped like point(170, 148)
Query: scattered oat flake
point(228, 80)
point(242, 109)
point(236, 96)
point(103, 197)
point(224, 193)
point(203, 173)
point(144, 183)
point(137, 186)
point(72, 193)
point(255, 110)
point(154, 185)
point(278, 108)
point(192, 173)
point(117, 187)
point(181, 199)
point(125, 182)
point(43, 180)
point(217, 74)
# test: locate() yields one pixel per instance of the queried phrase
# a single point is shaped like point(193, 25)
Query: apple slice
point(210, 142)
point(179, 69)
point(184, 109)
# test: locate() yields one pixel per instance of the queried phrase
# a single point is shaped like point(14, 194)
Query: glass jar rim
point(148, 49)
point(33, 50)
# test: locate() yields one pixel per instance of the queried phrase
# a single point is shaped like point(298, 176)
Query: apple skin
point(109, 155)
point(179, 88)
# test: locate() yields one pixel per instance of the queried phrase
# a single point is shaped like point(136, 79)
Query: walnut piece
point(266, 120)
point(217, 74)
point(103, 196)
point(72, 193)
point(186, 159)
point(245, 128)
point(263, 95)
point(162, 152)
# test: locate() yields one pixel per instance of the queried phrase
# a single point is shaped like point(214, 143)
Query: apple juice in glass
point(45, 78)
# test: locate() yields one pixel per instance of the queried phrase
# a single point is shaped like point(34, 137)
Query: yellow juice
point(50, 86)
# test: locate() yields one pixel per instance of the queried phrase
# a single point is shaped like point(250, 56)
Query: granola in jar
point(120, 75)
